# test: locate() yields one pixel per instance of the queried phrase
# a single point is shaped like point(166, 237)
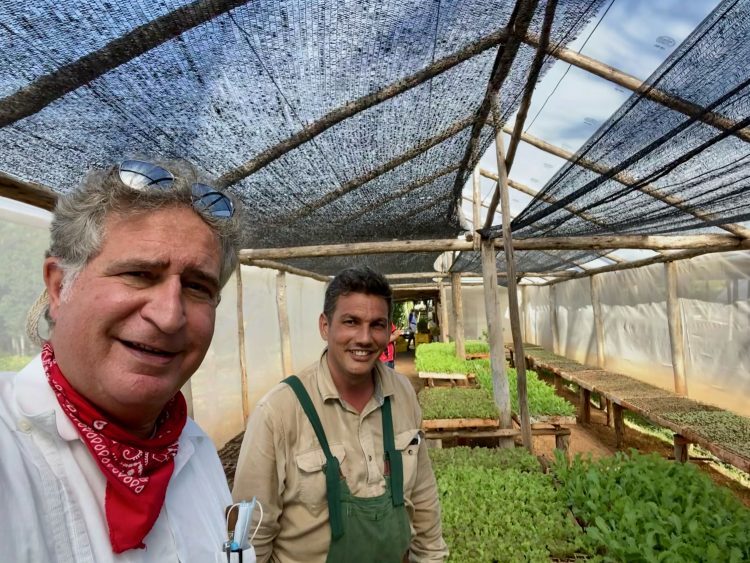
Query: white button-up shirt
point(52, 492)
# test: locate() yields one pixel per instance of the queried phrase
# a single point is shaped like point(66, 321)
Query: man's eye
point(137, 275)
point(201, 290)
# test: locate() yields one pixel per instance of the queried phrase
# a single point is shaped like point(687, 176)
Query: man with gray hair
point(99, 460)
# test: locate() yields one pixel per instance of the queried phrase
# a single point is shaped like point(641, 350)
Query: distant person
point(336, 456)
point(388, 357)
point(99, 460)
point(412, 327)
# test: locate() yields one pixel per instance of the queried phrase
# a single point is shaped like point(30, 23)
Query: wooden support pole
point(241, 338)
point(283, 316)
point(681, 448)
point(458, 316)
point(27, 192)
point(617, 414)
point(596, 305)
point(524, 314)
point(476, 206)
point(553, 320)
point(443, 312)
point(676, 336)
point(510, 265)
point(584, 405)
point(500, 386)
point(187, 392)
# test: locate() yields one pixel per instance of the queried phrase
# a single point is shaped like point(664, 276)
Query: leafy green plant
point(456, 402)
point(643, 508)
point(13, 363)
point(496, 505)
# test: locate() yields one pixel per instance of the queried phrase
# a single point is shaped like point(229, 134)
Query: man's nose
point(166, 307)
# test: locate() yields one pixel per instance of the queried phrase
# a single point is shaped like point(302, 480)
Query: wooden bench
point(626, 393)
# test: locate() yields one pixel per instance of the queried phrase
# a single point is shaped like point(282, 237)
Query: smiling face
point(357, 333)
point(138, 320)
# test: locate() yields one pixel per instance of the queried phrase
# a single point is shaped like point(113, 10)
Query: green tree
point(21, 281)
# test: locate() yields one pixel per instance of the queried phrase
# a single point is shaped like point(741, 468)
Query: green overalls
point(374, 529)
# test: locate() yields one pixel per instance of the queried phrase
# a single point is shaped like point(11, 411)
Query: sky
point(633, 36)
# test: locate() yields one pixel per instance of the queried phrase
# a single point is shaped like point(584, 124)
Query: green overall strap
point(393, 456)
point(333, 470)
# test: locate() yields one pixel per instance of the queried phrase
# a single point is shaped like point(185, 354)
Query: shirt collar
point(37, 401)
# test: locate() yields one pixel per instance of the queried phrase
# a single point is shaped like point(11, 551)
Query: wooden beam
point(510, 265)
point(705, 243)
point(241, 345)
point(27, 192)
point(596, 305)
point(360, 104)
point(283, 316)
point(676, 337)
point(334, 194)
point(414, 287)
point(40, 93)
point(458, 316)
point(627, 180)
point(645, 90)
point(270, 264)
point(500, 385)
point(517, 26)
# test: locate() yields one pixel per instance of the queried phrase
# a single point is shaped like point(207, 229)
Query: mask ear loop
point(260, 520)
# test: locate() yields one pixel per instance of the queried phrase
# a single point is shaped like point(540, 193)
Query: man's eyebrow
point(137, 264)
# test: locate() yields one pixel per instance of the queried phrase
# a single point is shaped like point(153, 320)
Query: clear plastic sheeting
point(714, 297)
point(474, 317)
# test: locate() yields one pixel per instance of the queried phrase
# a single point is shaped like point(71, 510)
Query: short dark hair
point(356, 280)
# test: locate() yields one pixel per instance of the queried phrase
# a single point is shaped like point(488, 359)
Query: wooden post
point(674, 318)
point(443, 312)
point(500, 387)
point(187, 392)
point(286, 343)
point(619, 426)
point(458, 316)
point(596, 304)
point(241, 337)
point(553, 320)
point(476, 203)
point(510, 264)
point(584, 405)
point(681, 446)
point(524, 315)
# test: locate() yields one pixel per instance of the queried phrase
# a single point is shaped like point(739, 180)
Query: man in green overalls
point(336, 456)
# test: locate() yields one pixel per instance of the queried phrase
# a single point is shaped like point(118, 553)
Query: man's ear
point(53, 278)
point(323, 326)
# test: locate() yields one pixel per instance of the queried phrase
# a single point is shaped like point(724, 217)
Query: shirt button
point(369, 458)
point(24, 425)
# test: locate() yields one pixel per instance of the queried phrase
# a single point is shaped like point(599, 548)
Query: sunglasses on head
point(140, 175)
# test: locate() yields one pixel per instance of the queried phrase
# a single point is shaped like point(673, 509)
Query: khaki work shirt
point(281, 463)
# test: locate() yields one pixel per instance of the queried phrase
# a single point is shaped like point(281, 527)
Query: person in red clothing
point(388, 357)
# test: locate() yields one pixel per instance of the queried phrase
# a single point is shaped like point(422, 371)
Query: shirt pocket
point(312, 478)
point(408, 443)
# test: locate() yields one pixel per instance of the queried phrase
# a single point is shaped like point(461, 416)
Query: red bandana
point(137, 470)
